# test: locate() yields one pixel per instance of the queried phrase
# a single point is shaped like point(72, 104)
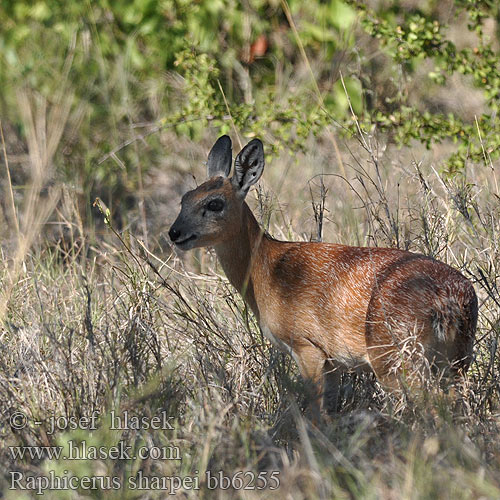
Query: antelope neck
point(239, 254)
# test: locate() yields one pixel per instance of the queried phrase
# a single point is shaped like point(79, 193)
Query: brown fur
point(338, 307)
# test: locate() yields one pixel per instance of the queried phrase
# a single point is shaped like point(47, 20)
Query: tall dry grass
point(114, 324)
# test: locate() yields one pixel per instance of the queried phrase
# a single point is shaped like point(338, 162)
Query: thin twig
point(486, 156)
point(230, 115)
point(291, 22)
point(161, 126)
point(9, 183)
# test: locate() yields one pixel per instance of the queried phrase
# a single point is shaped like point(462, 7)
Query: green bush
point(410, 37)
point(185, 65)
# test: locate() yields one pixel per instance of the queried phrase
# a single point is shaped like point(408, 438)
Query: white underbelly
point(278, 343)
point(350, 361)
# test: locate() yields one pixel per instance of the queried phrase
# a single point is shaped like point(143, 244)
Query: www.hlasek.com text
point(81, 450)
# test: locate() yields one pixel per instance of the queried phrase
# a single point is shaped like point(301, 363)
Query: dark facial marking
point(217, 183)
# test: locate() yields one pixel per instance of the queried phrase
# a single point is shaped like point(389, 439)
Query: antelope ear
point(248, 166)
point(220, 158)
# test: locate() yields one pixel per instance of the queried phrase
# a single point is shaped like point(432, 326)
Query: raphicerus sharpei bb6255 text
point(333, 307)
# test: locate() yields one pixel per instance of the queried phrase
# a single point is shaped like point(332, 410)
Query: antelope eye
point(215, 205)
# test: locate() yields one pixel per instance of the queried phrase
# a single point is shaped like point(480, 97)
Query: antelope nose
point(174, 233)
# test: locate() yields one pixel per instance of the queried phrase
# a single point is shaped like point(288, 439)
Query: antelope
point(333, 307)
